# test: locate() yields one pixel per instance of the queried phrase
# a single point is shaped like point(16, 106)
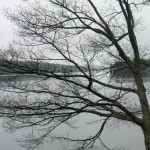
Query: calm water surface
point(126, 136)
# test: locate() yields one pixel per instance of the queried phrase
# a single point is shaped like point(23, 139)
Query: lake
point(115, 135)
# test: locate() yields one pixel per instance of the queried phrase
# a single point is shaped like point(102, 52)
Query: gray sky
point(6, 27)
point(6, 35)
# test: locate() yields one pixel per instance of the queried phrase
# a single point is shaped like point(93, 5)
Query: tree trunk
point(145, 109)
point(146, 132)
point(147, 141)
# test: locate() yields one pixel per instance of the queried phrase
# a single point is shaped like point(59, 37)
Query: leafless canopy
point(90, 37)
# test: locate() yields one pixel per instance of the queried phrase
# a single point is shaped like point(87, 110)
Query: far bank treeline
point(120, 69)
point(10, 67)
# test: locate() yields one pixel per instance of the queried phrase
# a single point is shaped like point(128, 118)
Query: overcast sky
point(6, 27)
point(6, 30)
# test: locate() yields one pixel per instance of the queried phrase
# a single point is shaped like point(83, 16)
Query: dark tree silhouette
point(89, 37)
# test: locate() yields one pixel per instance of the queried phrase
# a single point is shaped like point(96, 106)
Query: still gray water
point(128, 137)
point(116, 135)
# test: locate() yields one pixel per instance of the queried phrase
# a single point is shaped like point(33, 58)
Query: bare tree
point(90, 37)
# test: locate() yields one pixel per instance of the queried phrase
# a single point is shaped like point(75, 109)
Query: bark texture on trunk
point(147, 141)
point(147, 144)
point(146, 132)
point(141, 91)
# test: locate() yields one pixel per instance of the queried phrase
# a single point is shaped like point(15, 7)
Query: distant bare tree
point(90, 37)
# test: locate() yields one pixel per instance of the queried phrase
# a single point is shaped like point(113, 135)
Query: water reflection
point(127, 136)
point(123, 136)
